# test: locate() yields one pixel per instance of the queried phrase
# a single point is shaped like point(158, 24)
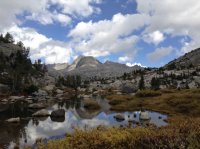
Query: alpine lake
point(29, 129)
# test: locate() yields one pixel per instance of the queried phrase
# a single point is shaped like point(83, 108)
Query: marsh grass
point(182, 134)
point(183, 131)
point(148, 93)
point(173, 102)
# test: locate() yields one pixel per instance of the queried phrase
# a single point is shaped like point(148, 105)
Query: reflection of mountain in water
point(77, 108)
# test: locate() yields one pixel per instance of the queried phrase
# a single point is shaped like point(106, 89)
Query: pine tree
point(141, 83)
point(155, 83)
point(9, 38)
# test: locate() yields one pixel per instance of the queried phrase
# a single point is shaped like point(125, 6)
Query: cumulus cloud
point(108, 36)
point(76, 7)
point(160, 53)
point(174, 18)
point(46, 17)
point(155, 37)
point(45, 11)
point(103, 37)
point(42, 47)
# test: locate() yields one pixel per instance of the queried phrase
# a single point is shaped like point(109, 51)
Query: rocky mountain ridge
point(191, 59)
point(89, 67)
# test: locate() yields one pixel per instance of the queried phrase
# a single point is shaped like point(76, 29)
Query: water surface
point(76, 115)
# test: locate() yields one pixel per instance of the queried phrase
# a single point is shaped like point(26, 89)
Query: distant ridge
point(89, 67)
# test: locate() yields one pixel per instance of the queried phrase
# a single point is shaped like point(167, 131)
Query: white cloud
point(155, 37)
point(124, 59)
point(47, 17)
point(133, 64)
point(177, 18)
point(78, 7)
point(50, 50)
point(160, 53)
point(108, 36)
point(39, 10)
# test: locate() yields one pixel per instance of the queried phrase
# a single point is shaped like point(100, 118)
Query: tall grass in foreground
point(182, 134)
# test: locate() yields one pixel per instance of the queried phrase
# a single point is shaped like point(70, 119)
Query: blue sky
point(146, 32)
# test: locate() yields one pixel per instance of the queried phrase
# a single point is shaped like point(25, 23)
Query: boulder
point(40, 93)
point(58, 113)
point(58, 119)
point(87, 96)
point(144, 115)
point(4, 101)
point(95, 93)
point(49, 88)
point(58, 91)
point(192, 84)
point(116, 84)
point(13, 120)
point(36, 106)
point(16, 97)
point(119, 117)
point(41, 113)
point(81, 89)
point(59, 95)
point(119, 93)
point(128, 87)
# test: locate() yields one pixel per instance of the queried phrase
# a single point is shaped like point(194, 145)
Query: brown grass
point(174, 102)
point(183, 133)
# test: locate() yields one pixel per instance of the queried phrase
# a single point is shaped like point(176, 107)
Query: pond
point(76, 115)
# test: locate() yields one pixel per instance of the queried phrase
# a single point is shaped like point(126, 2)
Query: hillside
point(191, 59)
point(17, 73)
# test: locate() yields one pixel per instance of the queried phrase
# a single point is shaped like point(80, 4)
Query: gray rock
point(119, 93)
point(13, 120)
point(16, 98)
point(4, 101)
point(36, 106)
point(58, 91)
point(95, 93)
point(58, 113)
point(128, 87)
point(192, 84)
point(49, 88)
point(144, 115)
point(86, 96)
point(40, 93)
point(41, 113)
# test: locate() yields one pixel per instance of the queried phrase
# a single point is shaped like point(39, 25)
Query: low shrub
point(31, 89)
point(148, 93)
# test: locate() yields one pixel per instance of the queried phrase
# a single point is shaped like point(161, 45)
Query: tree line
point(18, 66)
point(72, 81)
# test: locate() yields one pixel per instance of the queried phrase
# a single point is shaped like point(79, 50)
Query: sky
point(145, 32)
